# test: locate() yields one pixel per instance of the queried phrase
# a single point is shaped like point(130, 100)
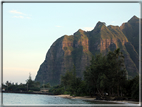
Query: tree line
point(29, 86)
point(105, 77)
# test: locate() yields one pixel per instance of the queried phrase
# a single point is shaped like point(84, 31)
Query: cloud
point(88, 28)
point(28, 17)
point(19, 17)
point(16, 12)
point(113, 22)
point(58, 26)
point(20, 14)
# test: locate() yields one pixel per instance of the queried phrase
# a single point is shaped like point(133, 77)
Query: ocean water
point(16, 99)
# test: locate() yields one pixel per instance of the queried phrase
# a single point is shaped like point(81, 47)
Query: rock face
point(78, 49)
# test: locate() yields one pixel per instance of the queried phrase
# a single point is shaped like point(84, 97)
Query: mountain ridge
point(77, 49)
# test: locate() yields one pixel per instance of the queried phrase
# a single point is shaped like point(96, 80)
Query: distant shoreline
point(29, 93)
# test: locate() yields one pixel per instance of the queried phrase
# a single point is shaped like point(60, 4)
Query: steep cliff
point(78, 48)
point(131, 31)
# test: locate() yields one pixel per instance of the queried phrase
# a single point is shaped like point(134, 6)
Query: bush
point(66, 92)
point(30, 91)
point(34, 88)
point(57, 90)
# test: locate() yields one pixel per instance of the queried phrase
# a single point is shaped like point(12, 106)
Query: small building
point(3, 89)
point(44, 89)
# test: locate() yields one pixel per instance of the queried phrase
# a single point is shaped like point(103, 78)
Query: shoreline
point(86, 98)
point(94, 99)
point(42, 93)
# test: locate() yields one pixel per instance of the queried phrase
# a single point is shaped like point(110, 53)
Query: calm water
point(37, 99)
point(14, 98)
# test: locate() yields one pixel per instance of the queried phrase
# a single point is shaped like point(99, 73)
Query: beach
point(94, 99)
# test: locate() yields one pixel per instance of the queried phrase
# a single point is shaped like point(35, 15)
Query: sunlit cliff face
point(77, 49)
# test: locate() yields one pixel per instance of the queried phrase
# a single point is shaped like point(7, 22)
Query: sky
point(29, 29)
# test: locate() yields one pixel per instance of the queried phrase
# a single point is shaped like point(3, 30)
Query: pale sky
point(29, 29)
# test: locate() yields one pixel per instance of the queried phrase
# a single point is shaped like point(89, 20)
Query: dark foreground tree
point(106, 74)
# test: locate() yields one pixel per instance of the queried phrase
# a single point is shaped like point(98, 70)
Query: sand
point(71, 97)
point(94, 99)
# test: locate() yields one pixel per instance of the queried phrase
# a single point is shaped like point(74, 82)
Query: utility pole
point(27, 87)
point(43, 84)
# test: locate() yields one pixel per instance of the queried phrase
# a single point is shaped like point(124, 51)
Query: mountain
point(77, 49)
point(131, 31)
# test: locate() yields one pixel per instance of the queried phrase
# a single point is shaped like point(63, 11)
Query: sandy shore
point(94, 99)
point(71, 97)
